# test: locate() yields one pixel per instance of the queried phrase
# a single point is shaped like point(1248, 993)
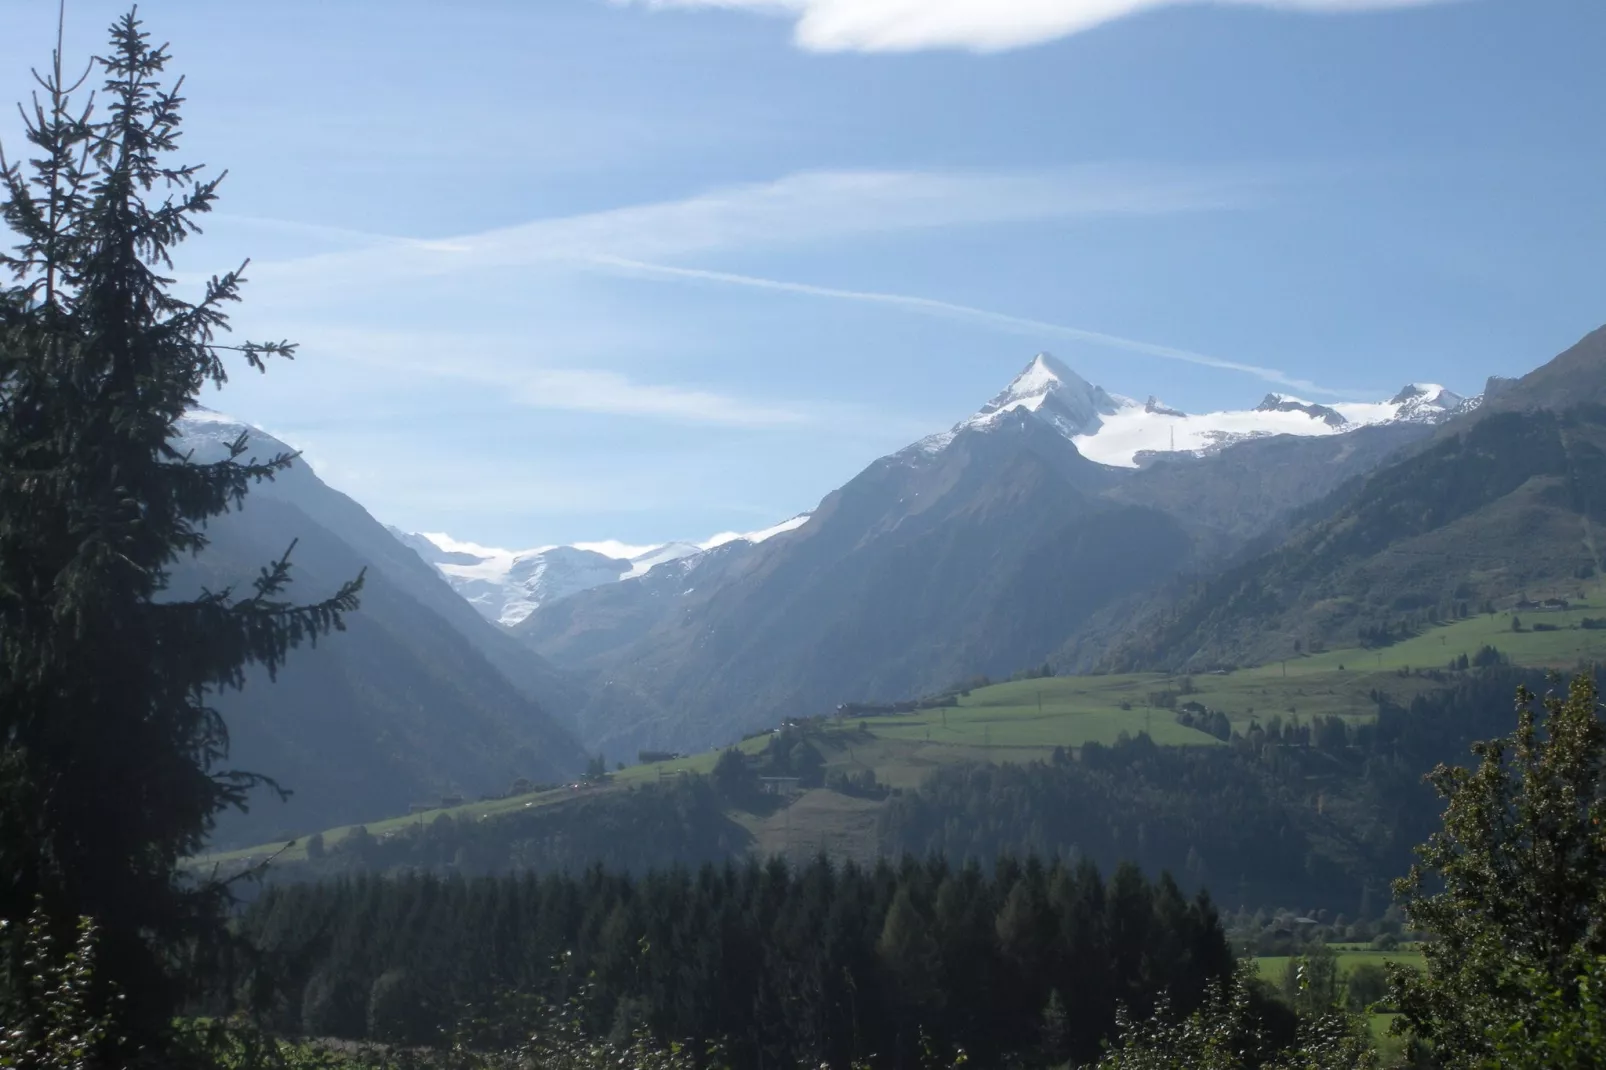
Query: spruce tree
point(111, 752)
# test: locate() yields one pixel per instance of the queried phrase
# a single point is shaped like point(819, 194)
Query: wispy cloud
point(583, 390)
point(513, 368)
point(930, 307)
point(802, 208)
point(978, 25)
point(324, 232)
point(557, 374)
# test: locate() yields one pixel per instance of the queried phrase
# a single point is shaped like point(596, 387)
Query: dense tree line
point(819, 964)
point(1215, 817)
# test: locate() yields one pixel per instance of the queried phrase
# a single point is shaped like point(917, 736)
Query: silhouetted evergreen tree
point(109, 750)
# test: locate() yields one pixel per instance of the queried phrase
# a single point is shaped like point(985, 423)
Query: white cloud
point(761, 535)
point(978, 25)
point(1038, 329)
point(445, 542)
point(616, 549)
point(801, 208)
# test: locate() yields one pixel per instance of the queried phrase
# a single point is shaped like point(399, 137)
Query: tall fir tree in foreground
point(110, 752)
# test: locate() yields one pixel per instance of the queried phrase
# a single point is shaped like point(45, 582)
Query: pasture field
point(1070, 711)
point(1271, 967)
point(1560, 642)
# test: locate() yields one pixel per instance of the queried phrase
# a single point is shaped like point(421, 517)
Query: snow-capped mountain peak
point(1118, 431)
point(1427, 401)
point(1052, 392)
point(506, 586)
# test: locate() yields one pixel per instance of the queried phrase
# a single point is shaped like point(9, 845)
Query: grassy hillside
point(1026, 720)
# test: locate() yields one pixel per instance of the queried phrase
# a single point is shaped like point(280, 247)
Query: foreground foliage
point(1566, 1027)
point(47, 1019)
point(1513, 889)
point(1228, 1032)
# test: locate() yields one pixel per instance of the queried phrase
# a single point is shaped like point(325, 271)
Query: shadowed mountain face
point(1503, 502)
point(982, 550)
point(419, 697)
point(1509, 505)
point(1576, 377)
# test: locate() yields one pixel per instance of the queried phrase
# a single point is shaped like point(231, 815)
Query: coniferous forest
point(820, 965)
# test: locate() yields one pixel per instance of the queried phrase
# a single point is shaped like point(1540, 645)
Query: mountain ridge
point(976, 550)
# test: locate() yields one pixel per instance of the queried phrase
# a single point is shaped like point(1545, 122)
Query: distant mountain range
point(508, 585)
point(980, 550)
point(1061, 523)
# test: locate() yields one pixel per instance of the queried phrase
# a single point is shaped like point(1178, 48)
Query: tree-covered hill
point(1503, 511)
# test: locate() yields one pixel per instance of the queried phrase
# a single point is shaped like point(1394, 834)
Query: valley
point(659, 614)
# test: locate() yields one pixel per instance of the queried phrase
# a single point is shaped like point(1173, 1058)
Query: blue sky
point(577, 269)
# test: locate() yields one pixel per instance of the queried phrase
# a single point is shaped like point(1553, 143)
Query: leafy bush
point(1510, 889)
point(48, 1021)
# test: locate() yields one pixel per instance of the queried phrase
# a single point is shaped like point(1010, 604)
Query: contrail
point(930, 307)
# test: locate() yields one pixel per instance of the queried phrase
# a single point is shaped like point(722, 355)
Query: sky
point(642, 270)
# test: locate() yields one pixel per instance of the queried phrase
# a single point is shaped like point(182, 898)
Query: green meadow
point(1272, 967)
